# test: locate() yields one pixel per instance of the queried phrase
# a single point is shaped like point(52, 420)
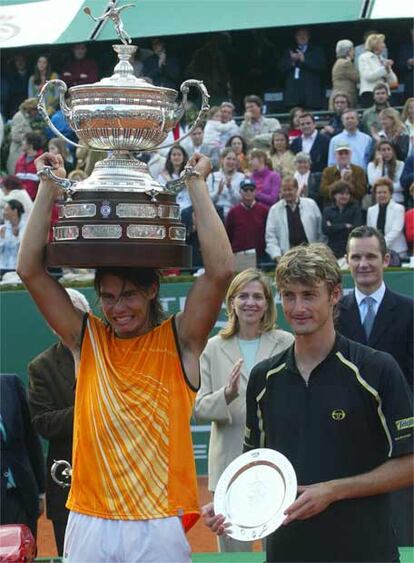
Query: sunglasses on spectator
point(249, 189)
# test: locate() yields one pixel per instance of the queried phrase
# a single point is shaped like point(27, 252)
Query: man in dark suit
point(374, 315)
point(315, 144)
point(22, 461)
point(303, 66)
point(51, 400)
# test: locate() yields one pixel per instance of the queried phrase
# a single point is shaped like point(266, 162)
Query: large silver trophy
point(120, 216)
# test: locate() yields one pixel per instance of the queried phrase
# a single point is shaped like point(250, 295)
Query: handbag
point(392, 81)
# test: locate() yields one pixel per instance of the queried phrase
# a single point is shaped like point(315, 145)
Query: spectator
point(59, 121)
point(246, 222)
point(388, 217)
point(373, 68)
point(302, 66)
point(189, 219)
point(283, 160)
point(267, 182)
point(212, 127)
point(174, 165)
point(308, 181)
point(344, 74)
point(248, 337)
point(294, 128)
point(25, 167)
point(195, 144)
point(18, 78)
point(57, 145)
point(11, 233)
point(42, 74)
point(371, 122)
point(386, 165)
point(12, 188)
point(228, 125)
point(224, 185)
point(51, 400)
point(87, 158)
point(394, 131)
point(138, 59)
point(340, 103)
point(407, 117)
point(359, 49)
point(23, 122)
point(311, 142)
point(77, 175)
point(291, 221)
point(344, 170)
point(405, 62)
point(257, 130)
point(81, 69)
point(409, 226)
point(407, 176)
point(22, 461)
point(162, 69)
point(360, 143)
point(341, 217)
point(239, 146)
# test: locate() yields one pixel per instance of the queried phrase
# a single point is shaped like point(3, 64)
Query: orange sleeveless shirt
point(132, 449)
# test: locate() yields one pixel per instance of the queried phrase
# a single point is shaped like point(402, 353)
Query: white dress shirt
point(307, 142)
point(377, 296)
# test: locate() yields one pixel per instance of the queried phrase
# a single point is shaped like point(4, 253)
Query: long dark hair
point(142, 278)
point(37, 79)
point(244, 144)
point(15, 205)
point(169, 165)
point(392, 164)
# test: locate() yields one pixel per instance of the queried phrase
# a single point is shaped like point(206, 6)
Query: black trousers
point(13, 510)
point(59, 528)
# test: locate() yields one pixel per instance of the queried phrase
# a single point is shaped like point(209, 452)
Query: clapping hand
point(231, 391)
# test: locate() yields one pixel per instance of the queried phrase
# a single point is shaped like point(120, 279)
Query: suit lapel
point(231, 349)
point(383, 318)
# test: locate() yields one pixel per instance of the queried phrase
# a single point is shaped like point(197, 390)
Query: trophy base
point(132, 254)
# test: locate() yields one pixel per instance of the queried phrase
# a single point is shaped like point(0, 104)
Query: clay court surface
point(201, 539)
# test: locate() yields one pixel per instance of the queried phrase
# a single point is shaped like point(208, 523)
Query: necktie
point(370, 316)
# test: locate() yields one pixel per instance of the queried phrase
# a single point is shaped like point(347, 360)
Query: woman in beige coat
point(248, 338)
point(344, 73)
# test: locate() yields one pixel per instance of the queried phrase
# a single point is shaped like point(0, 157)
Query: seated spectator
point(25, 168)
point(360, 143)
point(303, 65)
point(344, 74)
point(291, 221)
point(138, 59)
point(162, 69)
point(386, 165)
point(42, 74)
point(212, 127)
point(256, 129)
point(283, 160)
point(18, 77)
point(174, 165)
point(373, 68)
point(308, 182)
point(228, 128)
point(267, 182)
point(407, 117)
point(344, 170)
point(394, 131)
point(12, 188)
point(81, 69)
point(294, 130)
point(239, 146)
point(311, 142)
point(341, 217)
point(388, 217)
point(11, 233)
point(246, 222)
point(77, 175)
point(57, 145)
point(22, 122)
point(371, 123)
point(409, 225)
point(405, 62)
point(224, 185)
point(195, 144)
point(86, 158)
point(59, 121)
point(407, 179)
point(340, 103)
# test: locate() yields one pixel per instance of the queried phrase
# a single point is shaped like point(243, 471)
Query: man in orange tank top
point(133, 483)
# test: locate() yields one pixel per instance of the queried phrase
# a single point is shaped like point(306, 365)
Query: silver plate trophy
point(120, 216)
point(254, 491)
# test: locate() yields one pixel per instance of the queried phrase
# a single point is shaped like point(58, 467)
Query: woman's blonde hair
point(393, 114)
point(373, 40)
point(308, 265)
point(404, 114)
point(259, 153)
point(268, 321)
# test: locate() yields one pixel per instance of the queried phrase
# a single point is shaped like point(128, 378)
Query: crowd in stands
point(275, 184)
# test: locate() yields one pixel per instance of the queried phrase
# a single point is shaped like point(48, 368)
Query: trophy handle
point(62, 89)
point(179, 112)
point(66, 472)
point(64, 183)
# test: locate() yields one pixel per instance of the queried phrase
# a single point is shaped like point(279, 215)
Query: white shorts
point(98, 540)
